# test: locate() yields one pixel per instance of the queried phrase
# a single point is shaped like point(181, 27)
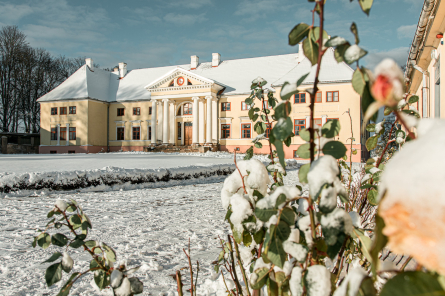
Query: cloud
point(184, 19)
point(255, 9)
point(399, 55)
point(10, 14)
point(193, 4)
point(140, 14)
point(406, 31)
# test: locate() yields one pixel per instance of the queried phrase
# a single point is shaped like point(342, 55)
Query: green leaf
point(413, 99)
point(247, 239)
point(412, 283)
point(331, 129)
point(259, 236)
point(54, 257)
point(276, 253)
point(249, 153)
point(90, 244)
point(372, 197)
point(305, 134)
point(262, 276)
point(251, 113)
point(367, 288)
point(335, 248)
point(370, 127)
point(59, 239)
point(75, 221)
point(76, 243)
point(301, 79)
point(280, 152)
point(71, 208)
point(354, 31)
point(302, 173)
point(288, 216)
point(315, 34)
point(336, 41)
point(258, 145)
point(238, 235)
point(257, 194)
point(359, 80)
point(282, 129)
point(366, 5)
point(265, 214)
point(335, 148)
point(283, 110)
point(304, 151)
point(280, 200)
point(50, 214)
point(65, 290)
point(287, 91)
point(111, 255)
point(53, 274)
point(371, 143)
point(310, 49)
point(298, 33)
point(379, 242)
point(283, 230)
point(101, 279)
point(44, 240)
point(340, 51)
point(365, 242)
point(387, 111)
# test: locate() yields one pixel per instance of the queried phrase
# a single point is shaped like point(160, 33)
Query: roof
point(235, 75)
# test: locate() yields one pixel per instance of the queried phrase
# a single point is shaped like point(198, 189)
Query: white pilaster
point(58, 135)
point(195, 120)
point(201, 121)
point(308, 121)
point(323, 119)
point(153, 122)
point(165, 122)
point(172, 121)
point(214, 119)
point(160, 122)
point(182, 133)
point(209, 120)
point(67, 134)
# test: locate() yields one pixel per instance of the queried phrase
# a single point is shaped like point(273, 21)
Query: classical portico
point(184, 103)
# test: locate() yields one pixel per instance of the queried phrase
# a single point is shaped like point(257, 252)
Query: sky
point(154, 33)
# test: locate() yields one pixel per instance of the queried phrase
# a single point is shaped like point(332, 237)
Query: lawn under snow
point(147, 227)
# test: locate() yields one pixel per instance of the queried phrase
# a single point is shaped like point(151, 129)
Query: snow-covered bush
point(106, 271)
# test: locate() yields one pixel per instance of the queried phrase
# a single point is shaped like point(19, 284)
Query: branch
point(242, 177)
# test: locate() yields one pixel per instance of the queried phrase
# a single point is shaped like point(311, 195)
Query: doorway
point(188, 130)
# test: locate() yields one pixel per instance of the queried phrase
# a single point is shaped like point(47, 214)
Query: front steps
point(180, 149)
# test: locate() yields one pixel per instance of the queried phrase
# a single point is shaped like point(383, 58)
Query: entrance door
point(188, 133)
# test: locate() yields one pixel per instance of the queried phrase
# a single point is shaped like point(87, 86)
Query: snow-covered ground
point(147, 227)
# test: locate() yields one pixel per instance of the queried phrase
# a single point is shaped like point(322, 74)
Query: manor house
point(200, 105)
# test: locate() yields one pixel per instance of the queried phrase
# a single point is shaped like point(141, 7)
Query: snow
point(378, 127)
point(241, 209)
point(351, 284)
point(335, 222)
point(318, 280)
point(297, 251)
point(295, 281)
point(323, 170)
point(260, 264)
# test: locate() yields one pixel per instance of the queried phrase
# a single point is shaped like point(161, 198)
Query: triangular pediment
point(179, 79)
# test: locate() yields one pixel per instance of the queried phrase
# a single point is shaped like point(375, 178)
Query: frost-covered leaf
point(302, 173)
point(340, 51)
point(354, 31)
point(282, 129)
point(370, 127)
point(353, 54)
point(259, 278)
point(44, 240)
point(53, 274)
point(335, 148)
point(413, 99)
point(335, 41)
point(372, 197)
point(331, 129)
point(288, 90)
point(366, 5)
point(318, 281)
point(298, 33)
point(413, 283)
point(265, 214)
point(109, 252)
point(136, 286)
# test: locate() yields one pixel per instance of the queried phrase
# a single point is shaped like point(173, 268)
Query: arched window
point(187, 109)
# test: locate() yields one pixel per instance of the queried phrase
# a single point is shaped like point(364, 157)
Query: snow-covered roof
point(235, 75)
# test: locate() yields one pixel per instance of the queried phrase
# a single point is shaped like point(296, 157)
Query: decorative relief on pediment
point(167, 83)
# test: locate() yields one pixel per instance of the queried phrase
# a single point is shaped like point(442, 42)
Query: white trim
point(179, 96)
point(119, 121)
point(220, 131)
point(172, 74)
point(182, 111)
point(128, 141)
point(241, 130)
point(244, 117)
point(116, 133)
point(135, 121)
point(140, 133)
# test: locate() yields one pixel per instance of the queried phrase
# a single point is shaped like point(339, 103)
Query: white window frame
point(117, 126)
point(241, 130)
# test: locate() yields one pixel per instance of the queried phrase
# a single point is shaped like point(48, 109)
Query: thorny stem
point(350, 150)
point(197, 273)
point(224, 280)
point(406, 263)
point(399, 118)
point(237, 284)
point(179, 283)
point(336, 270)
point(387, 144)
point(77, 277)
point(270, 144)
point(191, 269)
point(242, 177)
point(242, 268)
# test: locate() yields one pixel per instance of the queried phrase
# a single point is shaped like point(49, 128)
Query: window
point(52, 152)
point(332, 96)
point(225, 131)
point(54, 134)
point(120, 111)
point(136, 132)
point(187, 109)
point(179, 130)
point(299, 124)
point(244, 106)
point(295, 154)
point(300, 98)
point(225, 106)
point(318, 97)
point(72, 109)
point(54, 111)
point(149, 133)
point(245, 130)
point(72, 133)
point(189, 82)
point(62, 110)
point(137, 111)
point(120, 133)
point(268, 129)
point(63, 133)
point(149, 110)
point(71, 152)
point(317, 122)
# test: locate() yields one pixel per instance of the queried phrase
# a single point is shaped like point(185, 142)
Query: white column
point(165, 123)
point(195, 120)
point(67, 134)
point(153, 122)
point(58, 135)
point(182, 133)
point(308, 121)
point(201, 121)
point(209, 120)
point(214, 119)
point(323, 119)
point(160, 122)
point(172, 117)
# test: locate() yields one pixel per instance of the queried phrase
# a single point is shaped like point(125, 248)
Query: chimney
point(216, 59)
point(194, 62)
point(300, 56)
point(122, 70)
point(116, 70)
point(89, 63)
